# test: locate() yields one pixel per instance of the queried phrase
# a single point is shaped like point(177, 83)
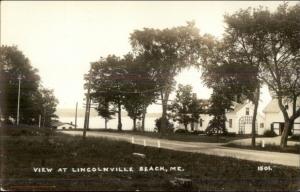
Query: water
point(97, 122)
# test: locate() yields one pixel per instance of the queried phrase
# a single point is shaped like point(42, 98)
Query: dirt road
point(287, 159)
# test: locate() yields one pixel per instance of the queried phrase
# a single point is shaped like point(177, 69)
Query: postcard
point(150, 96)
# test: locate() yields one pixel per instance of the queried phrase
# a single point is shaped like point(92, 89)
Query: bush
point(181, 131)
point(295, 138)
point(230, 134)
point(170, 125)
point(269, 133)
point(197, 132)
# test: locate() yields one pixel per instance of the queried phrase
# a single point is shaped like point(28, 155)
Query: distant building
point(239, 120)
point(63, 126)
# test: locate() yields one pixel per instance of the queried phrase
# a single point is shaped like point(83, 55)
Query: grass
point(187, 137)
point(268, 147)
point(23, 149)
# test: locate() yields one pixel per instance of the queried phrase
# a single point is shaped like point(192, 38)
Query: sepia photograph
point(149, 95)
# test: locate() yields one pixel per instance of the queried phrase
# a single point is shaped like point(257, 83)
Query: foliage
point(34, 99)
point(269, 133)
point(230, 134)
point(170, 126)
point(221, 101)
point(230, 73)
point(47, 105)
point(140, 88)
point(104, 110)
point(197, 132)
point(295, 138)
point(273, 40)
point(122, 82)
point(166, 52)
point(224, 66)
point(107, 83)
point(181, 131)
point(185, 108)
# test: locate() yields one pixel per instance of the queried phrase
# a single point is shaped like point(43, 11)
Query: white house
point(239, 120)
point(274, 118)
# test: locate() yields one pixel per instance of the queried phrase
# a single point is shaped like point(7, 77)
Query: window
point(201, 122)
point(261, 125)
point(247, 111)
point(230, 123)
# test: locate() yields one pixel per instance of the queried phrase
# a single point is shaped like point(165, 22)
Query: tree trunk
point(143, 119)
point(185, 126)
point(134, 124)
point(283, 141)
point(256, 102)
point(164, 100)
point(119, 117)
point(288, 124)
point(192, 126)
point(105, 123)
point(285, 133)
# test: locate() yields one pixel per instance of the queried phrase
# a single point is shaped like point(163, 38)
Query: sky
point(61, 38)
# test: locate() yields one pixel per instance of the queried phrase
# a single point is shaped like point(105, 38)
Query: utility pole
point(87, 108)
point(39, 121)
point(44, 119)
point(76, 115)
point(89, 114)
point(18, 111)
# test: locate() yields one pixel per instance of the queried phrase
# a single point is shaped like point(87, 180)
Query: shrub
point(269, 133)
point(295, 138)
point(181, 131)
point(170, 125)
point(229, 134)
point(197, 132)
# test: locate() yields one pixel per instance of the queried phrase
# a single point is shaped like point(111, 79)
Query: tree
point(46, 105)
point(196, 108)
point(167, 52)
point(107, 77)
point(220, 102)
point(225, 67)
point(104, 109)
point(140, 88)
point(34, 99)
point(15, 64)
point(185, 108)
point(272, 41)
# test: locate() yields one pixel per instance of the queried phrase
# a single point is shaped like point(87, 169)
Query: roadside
point(190, 137)
point(287, 159)
point(26, 149)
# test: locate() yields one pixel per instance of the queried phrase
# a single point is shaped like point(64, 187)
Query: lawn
point(24, 149)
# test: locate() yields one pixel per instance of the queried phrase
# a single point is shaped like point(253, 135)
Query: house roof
point(272, 107)
point(237, 106)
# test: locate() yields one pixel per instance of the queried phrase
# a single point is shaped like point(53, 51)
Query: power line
point(145, 91)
